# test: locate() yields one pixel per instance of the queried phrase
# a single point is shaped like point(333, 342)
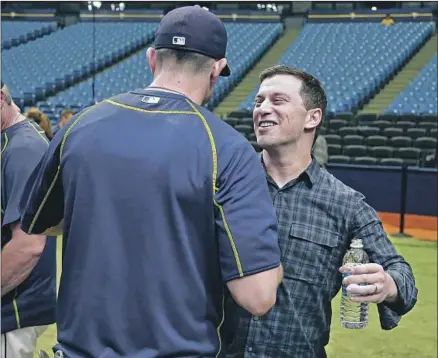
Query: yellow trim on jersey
point(215, 188)
point(218, 329)
point(6, 143)
point(46, 197)
point(40, 133)
point(17, 315)
point(146, 110)
point(212, 144)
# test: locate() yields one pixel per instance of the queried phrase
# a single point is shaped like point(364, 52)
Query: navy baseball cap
point(191, 28)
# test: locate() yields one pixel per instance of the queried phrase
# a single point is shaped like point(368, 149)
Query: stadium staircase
point(251, 80)
point(383, 99)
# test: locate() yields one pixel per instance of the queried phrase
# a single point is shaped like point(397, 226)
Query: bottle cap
point(356, 244)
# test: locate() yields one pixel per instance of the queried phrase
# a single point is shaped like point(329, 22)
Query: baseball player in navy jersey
point(164, 208)
point(28, 262)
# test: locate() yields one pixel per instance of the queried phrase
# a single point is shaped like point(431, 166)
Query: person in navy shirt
point(28, 261)
point(164, 209)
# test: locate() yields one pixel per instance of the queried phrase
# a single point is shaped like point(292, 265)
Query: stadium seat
point(232, 121)
point(393, 162)
point(381, 152)
point(392, 132)
point(365, 160)
point(247, 121)
point(332, 139)
point(353, 139)
point(427, 125)
point(381, 124)
point(334, 149)
point(344, 131)
point(425, 143)
point(416, 132)
point(410, 156)
point(400, 141)
point(375, 141)
point(336, 123)
point(340, 159)
point(368, 131)
point(390, 117)
point(366, 119)
point(404, 124)
point(355, 150)
point(244, 129)
point(428, 119)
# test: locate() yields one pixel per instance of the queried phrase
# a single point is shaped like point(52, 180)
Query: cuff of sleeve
point(251, 272)
point(399, 305)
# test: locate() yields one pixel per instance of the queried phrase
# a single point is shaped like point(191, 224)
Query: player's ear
point(151, 55)
point(218, 66)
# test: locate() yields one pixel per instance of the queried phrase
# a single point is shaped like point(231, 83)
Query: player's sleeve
point(245, 216)
point(20, 163)
point(42, 202)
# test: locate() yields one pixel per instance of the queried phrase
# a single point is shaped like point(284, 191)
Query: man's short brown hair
point(311, 91)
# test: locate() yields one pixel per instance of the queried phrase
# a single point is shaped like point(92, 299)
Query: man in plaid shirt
point(318, 216)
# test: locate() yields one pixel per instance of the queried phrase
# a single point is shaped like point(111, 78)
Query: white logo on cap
point(180, 41)
point(150, 100)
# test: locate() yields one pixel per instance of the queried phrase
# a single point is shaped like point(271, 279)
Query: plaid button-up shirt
point(318, 216)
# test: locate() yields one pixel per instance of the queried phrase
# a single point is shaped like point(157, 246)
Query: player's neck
point(10, 119)
point(284, 164)
point(181, 85)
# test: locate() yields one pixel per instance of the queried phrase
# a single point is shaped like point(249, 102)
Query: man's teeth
point(266, 124)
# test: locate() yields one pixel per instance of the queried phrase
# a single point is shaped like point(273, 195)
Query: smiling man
point(318, 216)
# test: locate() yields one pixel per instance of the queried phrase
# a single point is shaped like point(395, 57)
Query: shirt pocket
point(310, 254)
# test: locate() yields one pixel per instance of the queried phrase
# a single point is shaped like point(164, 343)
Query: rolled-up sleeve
point(367, 226)
point(245, 216)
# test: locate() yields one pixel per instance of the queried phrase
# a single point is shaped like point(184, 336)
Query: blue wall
point(382, 187)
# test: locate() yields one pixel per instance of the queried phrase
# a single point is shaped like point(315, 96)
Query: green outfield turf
point(415, 337)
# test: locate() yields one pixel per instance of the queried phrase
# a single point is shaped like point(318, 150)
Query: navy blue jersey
point(33, 302)
point(162, 203)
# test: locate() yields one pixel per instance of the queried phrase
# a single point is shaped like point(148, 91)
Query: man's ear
point(314, 118)
point(218, 66)
point(151, 55)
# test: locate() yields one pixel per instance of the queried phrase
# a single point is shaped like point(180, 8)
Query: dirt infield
point(418, 226)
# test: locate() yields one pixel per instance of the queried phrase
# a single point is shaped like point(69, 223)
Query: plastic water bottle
point(354, 315)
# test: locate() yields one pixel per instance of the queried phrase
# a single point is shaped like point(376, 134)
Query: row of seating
point(398, 162)
point(57, 61)
point(15, 33)
point(352, 68)
point(410, 156)
point(429, 142)
point(420, 96)
point(247, 41)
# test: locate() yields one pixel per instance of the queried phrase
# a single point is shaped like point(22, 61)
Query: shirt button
point(256, 318)
point(249, 349)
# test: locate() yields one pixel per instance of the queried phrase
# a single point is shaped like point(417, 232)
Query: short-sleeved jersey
point(163, 203)
point(33, 302)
